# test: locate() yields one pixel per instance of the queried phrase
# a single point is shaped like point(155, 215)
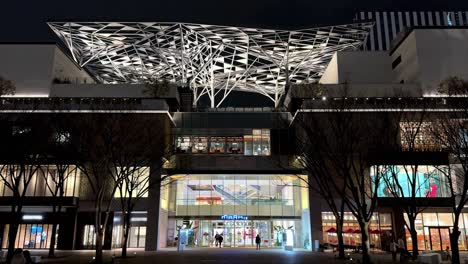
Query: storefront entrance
point(236, 233)
point(439, 238)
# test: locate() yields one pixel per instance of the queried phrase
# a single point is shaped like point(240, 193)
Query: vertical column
point(315, 210)
point(67, 230)
point(152, 222)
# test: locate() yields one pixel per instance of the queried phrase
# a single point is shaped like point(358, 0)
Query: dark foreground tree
point(341, 155)
point(137, 156)
point(451, 129)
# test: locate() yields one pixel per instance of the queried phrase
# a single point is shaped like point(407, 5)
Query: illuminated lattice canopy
point(211, 60)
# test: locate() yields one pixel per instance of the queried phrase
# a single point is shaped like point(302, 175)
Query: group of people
point(219, 240)
point(21, 257)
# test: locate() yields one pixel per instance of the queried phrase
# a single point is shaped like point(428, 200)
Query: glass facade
point(137, 235)
point(239, 207)
point(255, 143)
point(30, 236)
point(380, 230)
point(45, 180)
point(396, 180)
point(433, 231)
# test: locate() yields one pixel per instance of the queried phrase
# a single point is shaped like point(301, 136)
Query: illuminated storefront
point(380, 230)
point(238, 207)
point(397, 179)
point(253, 142)
point(434, 229)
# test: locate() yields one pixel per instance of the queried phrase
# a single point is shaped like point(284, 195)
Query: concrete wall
point(28, 66)
point(358, 67)
point(33, 67)
point(330, 76)
point(431, 55)
point(65, 69)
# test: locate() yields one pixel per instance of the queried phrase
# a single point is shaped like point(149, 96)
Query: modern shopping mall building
point(233, 169)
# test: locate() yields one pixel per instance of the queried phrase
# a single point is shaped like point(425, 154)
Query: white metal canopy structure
point(212, 60)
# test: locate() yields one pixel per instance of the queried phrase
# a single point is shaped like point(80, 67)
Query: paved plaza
point(211, 256)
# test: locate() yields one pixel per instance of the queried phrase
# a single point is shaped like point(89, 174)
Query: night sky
point(24, 20)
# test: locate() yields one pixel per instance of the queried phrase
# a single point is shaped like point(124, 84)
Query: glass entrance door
point(440, 238)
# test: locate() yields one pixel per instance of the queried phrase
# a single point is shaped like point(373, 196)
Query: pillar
point(152, 222)
point(315, 210)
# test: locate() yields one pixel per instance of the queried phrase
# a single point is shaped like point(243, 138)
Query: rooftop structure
point(212, 60)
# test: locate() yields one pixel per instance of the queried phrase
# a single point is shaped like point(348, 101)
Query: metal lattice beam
point(212, 60)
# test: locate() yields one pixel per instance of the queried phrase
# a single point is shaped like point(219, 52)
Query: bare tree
point(16, 174)
point(321, 174)
point(451, 130)
point(345, 150)
point(135, 154)
point(405, 182)
point(93, 136)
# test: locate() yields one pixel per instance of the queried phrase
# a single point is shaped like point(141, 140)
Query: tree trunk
point(53, 240)
point(365, 242)
point(454, 236)
point(339, 234)
point(99, 238)
point(126, 232)
point(11, 240)
point(54, 232)
point(12, 231)
point(414, 238)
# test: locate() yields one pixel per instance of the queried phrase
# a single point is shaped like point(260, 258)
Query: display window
point(380, 230)
point(30, 236)
point(217, 144)
point(199, 144)
point(234, 145)
point(183, 145)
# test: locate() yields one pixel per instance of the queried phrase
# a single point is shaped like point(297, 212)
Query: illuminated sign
point(234, 217)
point(32, 217)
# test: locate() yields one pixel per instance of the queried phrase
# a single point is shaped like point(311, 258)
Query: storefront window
point(397, 181)
point(89, 237)
point(199, 145)
point(255, 142)
point(234, 145)
point(217, 144)
point(183, 145)
point(30, 236)
point(433, 231)
point(206, 198)
point(380, 230)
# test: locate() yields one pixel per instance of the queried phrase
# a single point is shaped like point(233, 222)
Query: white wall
point(28, 66)
point(431, 55)
point(330, 76)
point(358, 67)
point(33, 67)
point(65, 69)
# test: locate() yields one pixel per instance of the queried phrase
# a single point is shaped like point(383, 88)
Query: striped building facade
point(388, 24)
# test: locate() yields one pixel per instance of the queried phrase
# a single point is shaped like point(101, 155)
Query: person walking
point(257, 241)
point(393, 249)
point(220, 240)
point(216, 239)
point(401, 249)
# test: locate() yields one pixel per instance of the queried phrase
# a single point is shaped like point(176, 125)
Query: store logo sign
point(234, 217)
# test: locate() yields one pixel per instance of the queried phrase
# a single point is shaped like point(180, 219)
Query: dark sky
point(24, 20)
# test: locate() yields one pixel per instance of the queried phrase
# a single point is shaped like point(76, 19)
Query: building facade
point(232, 171)
point(390, 24)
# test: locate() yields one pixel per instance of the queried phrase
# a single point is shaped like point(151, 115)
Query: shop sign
point(234, 217)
